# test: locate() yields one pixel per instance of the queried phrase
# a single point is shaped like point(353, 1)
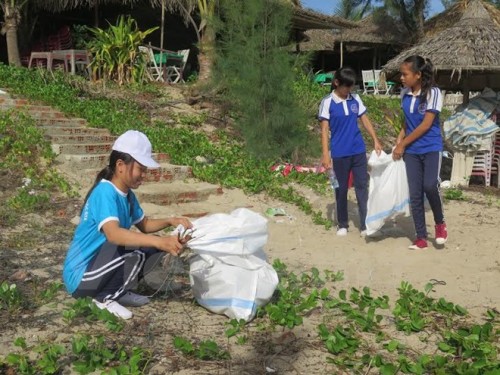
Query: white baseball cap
point(137, 145)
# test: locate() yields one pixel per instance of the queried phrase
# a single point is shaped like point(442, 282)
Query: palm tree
point(12, 17)
point(410, 12)
point(353, 9)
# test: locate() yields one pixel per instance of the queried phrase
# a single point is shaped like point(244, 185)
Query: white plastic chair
point(483, 164)
point(381, 86)
point(152, 69)
point(176, 70)
point(369, 82)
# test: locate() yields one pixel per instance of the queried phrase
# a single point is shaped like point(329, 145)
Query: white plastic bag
point(389, 195)
point(230, 274)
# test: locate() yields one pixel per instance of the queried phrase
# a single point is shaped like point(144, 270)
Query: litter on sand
point(271, 212)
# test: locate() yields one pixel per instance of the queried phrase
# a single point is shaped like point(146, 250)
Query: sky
point(328, 6)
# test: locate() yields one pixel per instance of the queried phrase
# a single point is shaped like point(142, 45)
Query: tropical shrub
point(115, 51)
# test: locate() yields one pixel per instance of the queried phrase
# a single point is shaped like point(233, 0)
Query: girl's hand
point(175, 221)
point(170, 244)
point(398, 151)
point(326, 161)
point(377, 146)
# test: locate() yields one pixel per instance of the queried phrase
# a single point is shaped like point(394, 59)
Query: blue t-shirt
point(342, 116)
point(414, 112)
point(105, 203)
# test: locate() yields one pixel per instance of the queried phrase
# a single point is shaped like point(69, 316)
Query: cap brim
point(147, 162)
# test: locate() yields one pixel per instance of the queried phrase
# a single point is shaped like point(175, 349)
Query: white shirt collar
point(409, 92)
point(337, 99)
point(116, 188)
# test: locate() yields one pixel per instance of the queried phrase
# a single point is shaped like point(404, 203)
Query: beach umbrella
point(466, 55)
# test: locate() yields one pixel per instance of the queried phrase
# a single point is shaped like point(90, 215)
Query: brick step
point(72, 131)
point(176, 192)
point(7, 100)
point(166, 173)
point(81, 138)
point(52, 114)
point(97, 161)
point(82, 148)
point(61, 121)
point(25, 107)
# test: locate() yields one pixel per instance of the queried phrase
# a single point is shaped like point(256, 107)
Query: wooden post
point(466, 90)
point(341, 54)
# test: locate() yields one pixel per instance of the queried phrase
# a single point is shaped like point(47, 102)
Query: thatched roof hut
point(318, 40)
point(453, 14)
point(306, 19)
point(374, 31)
point(466, 55)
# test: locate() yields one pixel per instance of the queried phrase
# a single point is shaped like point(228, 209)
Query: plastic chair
point(153, 71)
point(369, 82)
point(483, 165)
point(381, 85)
point(495, 163)
point(175, 68)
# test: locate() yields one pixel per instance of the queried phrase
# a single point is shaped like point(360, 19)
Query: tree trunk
point(206, 55)
point(419, 18)
point(12, 15)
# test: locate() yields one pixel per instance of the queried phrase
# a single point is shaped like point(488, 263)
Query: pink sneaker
point(418, 244)
point(441, 234)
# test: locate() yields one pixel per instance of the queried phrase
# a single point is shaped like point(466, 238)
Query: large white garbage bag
point(389, 195)
point(230, 274)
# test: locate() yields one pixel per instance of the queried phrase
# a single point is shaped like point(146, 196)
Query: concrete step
point(167, 173)
point(81, 138)
point(53, 130)
point(176, 192)
point(97, 161)
point(48, 121)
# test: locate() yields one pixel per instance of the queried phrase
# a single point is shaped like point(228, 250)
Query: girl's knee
point(431, 188)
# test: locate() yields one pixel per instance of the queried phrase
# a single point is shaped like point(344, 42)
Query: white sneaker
point(342, 232)
point(114, 308)
point(133, 299)
point(363, 233)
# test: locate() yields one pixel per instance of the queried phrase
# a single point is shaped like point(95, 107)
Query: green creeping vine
point(206, 350)
point(87, 355)
point(84, 307)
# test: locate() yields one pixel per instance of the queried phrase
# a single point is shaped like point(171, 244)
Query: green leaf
point(20, 342)
point(460, 310)
point(343, 295)
point(392, 345)
point(388, 369)
point(445, 347)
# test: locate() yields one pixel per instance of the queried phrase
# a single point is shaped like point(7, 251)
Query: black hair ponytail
point(108, 171)
point(423, 66)
point(346, 76)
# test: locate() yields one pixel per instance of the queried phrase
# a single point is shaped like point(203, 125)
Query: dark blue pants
point(114, 270)
point(359, 167)
point(422, 171)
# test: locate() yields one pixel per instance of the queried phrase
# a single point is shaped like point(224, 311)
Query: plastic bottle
point(333, 179)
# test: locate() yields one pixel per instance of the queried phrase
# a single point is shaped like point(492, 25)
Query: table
point(73, 56)
point(167, 57)
point(41, 56)
point(323, 78)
